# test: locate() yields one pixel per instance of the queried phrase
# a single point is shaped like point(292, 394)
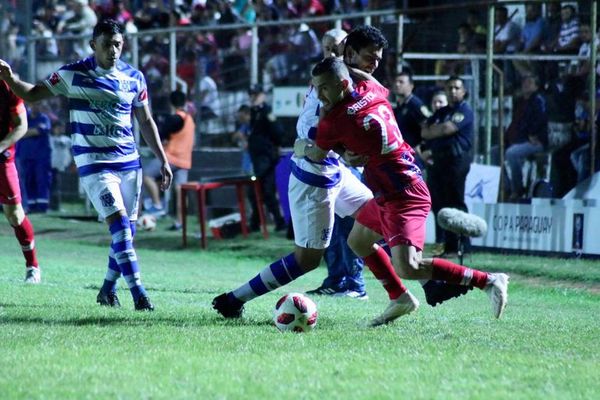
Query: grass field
point(55, 342)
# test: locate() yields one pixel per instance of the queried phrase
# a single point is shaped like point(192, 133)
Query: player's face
point(367, 59)
point(330, 88)
point(402, 86)
point(107, 49)
point(455, 91)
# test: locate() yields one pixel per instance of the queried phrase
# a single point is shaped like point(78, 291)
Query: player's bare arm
point(25, 90)
point(20, 128)
point(434, 131)
point(150, 133)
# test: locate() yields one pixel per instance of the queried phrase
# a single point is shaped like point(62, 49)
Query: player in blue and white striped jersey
point(103, 91)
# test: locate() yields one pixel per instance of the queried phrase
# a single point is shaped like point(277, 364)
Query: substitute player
point(13, 126)
point(102, 92)
point(360, 119)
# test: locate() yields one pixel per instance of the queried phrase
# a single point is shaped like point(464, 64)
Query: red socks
point(444, 270)
point(381, 266)
point(24, 234)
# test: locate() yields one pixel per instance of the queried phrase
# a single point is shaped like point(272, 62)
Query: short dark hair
point(244, 108)
point(177, 98)
point(333, 65)
point(107, 27)
point(455, 78)
point(407, 74)
point(364, 36)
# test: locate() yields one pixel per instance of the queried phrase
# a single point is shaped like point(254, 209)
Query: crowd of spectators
point(213, 59)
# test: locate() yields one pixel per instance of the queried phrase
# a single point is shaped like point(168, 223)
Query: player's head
point(332, 80)
point(455, 89)
point(107, 42)
point(438, 100)
point(332, 41)
point(403, 84)
point(177, 98)
point(364, 48)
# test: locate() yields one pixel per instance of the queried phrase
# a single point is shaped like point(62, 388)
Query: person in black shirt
point(449, 135)
point(263, 146)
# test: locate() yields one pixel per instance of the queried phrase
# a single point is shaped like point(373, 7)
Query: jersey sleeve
point(141, 98)
point(462, 118)
point(325, 139)
point(59, 82)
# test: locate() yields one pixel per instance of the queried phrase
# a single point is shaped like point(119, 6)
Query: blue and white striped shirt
point(325, 173)
point(100, 106)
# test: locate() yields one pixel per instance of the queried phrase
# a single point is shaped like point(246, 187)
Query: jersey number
point(386, 122)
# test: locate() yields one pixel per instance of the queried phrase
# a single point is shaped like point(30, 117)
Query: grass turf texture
point(56, 342)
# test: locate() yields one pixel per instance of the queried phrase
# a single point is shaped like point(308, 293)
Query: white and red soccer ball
point(147, 222)
point(295, 312)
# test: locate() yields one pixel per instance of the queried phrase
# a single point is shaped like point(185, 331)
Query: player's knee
point(14, 215)
point(308, 259)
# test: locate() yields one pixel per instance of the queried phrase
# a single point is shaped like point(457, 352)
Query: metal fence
point(279, 54)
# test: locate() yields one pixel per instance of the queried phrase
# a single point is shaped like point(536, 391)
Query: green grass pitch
point(56, 343)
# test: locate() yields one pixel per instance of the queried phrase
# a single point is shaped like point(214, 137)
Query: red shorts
point(9, 184)
point(401, 220)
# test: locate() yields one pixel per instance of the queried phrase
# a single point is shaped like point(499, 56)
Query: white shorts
point(113, 191)
point(313, 208)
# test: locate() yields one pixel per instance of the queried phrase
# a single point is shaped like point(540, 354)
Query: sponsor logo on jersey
point(457, 117)
point(54, 79)
point(143, 95)
point(360, 104)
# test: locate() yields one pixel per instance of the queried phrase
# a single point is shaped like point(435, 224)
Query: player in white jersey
point(103, 91)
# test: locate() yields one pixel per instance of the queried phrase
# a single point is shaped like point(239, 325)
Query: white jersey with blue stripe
point(326, 173)
point(100, 106)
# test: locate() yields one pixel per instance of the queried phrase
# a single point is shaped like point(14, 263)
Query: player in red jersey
point(359, 119)
point(13, 126)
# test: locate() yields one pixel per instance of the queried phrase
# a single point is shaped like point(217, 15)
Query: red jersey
point(364, 123)
point(10, 105)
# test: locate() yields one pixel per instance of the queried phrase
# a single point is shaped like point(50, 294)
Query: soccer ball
point(295, 312)
point(147, 222)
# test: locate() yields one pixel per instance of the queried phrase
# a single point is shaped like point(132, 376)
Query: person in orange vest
point(177, 132)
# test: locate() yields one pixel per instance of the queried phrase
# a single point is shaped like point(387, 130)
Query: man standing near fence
point(102, 92)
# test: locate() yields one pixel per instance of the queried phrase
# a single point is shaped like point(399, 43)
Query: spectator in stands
point(44, 48)
point(507, 37)
point(507, 33)
point(580, 157)
point(568, 36)
point(80, 19)
point(208, 96)
point(579, 71)
point(34, 160)
point(526, 135)
point(533, 30)
point(263, 145)
point(531, 38)
point(151, 16)
point(177, 132)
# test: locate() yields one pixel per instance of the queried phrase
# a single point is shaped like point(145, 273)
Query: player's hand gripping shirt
point(10, 105)
point(325, 173)
point(100, 107)
point(364, 123)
